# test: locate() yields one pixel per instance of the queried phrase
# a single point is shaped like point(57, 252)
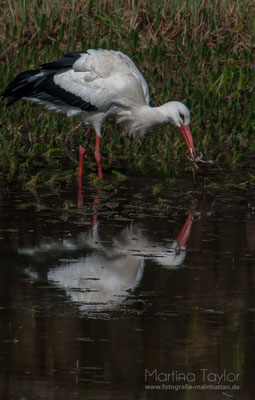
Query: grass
point(199, 52)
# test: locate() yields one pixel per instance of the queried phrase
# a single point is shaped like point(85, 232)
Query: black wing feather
point(40, 84)
point(66, 62)
point(20, 87)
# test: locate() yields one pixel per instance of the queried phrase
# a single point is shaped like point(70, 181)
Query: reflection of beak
point(185, 232)
point(187, 136)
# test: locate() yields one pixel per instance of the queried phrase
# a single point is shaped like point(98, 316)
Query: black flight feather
point(66, 62)
point(40, 84)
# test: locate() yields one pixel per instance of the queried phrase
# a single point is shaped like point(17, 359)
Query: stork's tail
point(30, 83)
point(24, 85)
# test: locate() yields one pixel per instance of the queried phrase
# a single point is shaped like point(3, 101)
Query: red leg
point(81, 157)
point(98, 157)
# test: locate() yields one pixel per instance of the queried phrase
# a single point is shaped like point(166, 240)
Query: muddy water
point(145, 291)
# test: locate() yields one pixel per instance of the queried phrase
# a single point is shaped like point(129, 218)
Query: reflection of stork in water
point(103, 277)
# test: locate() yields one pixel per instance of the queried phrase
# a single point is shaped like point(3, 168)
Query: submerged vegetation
point(199, 52)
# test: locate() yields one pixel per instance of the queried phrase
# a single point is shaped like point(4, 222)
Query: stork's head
point(178, 114)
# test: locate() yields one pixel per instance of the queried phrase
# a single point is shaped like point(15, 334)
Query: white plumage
point(95, 85)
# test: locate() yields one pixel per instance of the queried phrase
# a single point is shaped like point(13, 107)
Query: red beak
point(187, 136)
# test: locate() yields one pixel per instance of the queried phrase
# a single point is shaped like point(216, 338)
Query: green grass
point(198, 52)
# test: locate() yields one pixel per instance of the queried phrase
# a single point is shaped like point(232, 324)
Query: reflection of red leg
point(98, 157)
point(95, 206)
point(80, 197)
point(185, 232)
point(82, 149)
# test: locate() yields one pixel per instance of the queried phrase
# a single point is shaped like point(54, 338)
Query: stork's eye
point(182, 117)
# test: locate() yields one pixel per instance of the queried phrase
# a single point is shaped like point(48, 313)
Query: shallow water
point(145, 291)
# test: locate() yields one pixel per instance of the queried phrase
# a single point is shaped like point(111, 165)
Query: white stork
point(95, 85)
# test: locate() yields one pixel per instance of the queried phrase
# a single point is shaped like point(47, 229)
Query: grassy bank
point(199, 52)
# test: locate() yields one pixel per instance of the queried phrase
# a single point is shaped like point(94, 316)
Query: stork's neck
point(140, 119)
point(151, 116)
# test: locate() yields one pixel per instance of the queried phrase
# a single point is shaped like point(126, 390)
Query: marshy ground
point(201, 53)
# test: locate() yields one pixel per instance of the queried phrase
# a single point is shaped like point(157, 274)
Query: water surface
point(146, 291)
